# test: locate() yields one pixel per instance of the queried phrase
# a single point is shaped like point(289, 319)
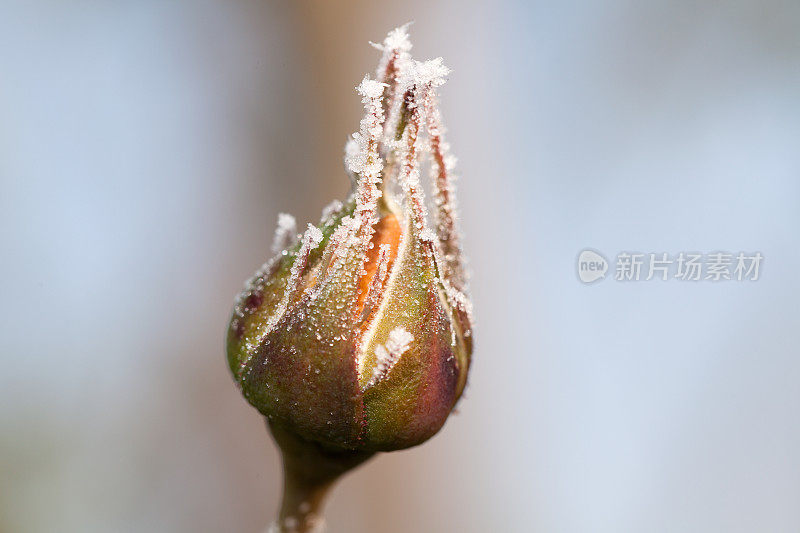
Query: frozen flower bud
point(357, 335)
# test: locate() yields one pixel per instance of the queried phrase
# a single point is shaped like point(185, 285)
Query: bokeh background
point(147, 147)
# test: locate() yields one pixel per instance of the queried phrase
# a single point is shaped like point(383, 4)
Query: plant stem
point(309, 471)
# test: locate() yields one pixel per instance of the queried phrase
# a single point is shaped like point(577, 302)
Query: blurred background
point(147, 147)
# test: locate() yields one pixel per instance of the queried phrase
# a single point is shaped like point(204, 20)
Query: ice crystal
point(366, 161)
point(430, 73)
point(397, 39)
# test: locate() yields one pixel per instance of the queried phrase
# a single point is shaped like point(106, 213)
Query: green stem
point(309, 472)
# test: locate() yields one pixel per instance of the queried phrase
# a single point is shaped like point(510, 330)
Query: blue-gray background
point(147, 147)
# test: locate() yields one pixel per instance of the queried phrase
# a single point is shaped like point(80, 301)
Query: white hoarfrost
point(314, 235)
point(366, 161)
point(362, 157)
point(394, 62)
point(432, 72)
point(397, 39)
point(387, 354)
point(370, 88)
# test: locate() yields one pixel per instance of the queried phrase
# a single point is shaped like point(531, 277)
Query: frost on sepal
point(444, 195)
point(362, 156)
point(395, 47)
point(394, 62)
point(387, 355)
point(311, 239)
point(410, 154)
point(420, 80)
point(368, 163)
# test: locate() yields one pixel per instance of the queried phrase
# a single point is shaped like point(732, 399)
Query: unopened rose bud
point(356, 337)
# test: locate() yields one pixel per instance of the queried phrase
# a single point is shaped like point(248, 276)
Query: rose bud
point(356, 337)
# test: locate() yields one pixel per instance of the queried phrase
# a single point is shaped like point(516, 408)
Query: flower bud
point(357, 334)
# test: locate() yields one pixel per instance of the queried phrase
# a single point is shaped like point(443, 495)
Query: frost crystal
point(311, 239)
point(363, 158)
point(370, 89)
point(394, 61)
point(397, 39)
point(432, 72)
point(285, 233)
point(389, 353)
point(314, 235)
